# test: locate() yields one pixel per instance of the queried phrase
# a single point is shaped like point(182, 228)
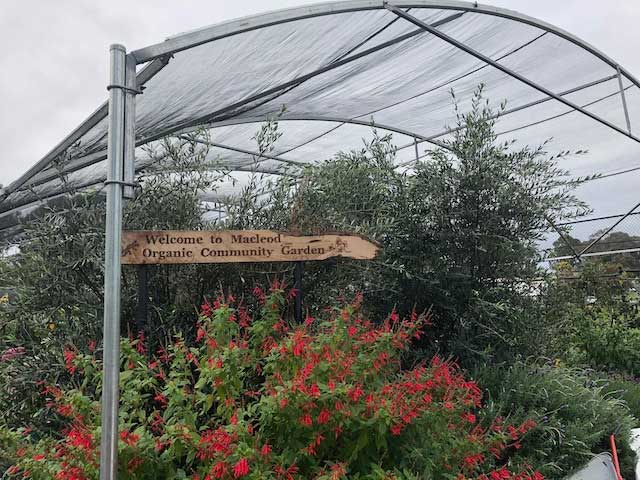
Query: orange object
point(614, 452)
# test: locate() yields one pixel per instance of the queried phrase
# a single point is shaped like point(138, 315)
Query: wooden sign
point(229, 246)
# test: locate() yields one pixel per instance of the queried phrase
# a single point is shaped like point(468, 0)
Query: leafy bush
point(459, 232)
point(609, 339)
point(260, 398)
point(56, 276)
point(599, 316)
point(574, 415)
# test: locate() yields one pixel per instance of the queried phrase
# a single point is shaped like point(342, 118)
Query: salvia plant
point(257, 397)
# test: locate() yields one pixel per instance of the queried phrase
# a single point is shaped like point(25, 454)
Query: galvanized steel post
point(130, 93)
point(111, 335)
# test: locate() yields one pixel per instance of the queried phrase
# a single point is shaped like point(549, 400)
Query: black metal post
point(297, 273)
point(143, 298)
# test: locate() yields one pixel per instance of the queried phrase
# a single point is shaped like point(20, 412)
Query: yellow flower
point(4, 299)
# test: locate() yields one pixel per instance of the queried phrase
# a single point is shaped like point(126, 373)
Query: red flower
point(324, 417)
point(314, 391)
point(306, 420)
point(80, 439)
point(134, 463)
point(355, 393)
point(469, 417)
point(338, 470)
point(259, 294)
point(265, 450)
point(219, 469)
point(70, 473)
point(140, 345)
point(396, 429)
point(241, 468)
point(69, 360)
point(64, 409)
point(129, 438)
point(201, 334)
point(471, 461)
point(205, 309)
point(501, 474)
point(163, 355)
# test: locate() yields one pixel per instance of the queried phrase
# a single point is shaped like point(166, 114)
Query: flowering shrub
point(258, 398)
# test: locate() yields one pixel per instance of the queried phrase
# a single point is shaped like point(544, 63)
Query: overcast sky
point(53, 61)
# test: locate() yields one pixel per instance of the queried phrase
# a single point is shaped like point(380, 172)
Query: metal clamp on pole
point(121, 182)
point(126, 89)
point(111, 333)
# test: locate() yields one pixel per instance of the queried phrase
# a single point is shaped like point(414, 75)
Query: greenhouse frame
point(339, 69)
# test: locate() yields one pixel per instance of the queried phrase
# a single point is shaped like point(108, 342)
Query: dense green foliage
point(459, 234)
point(574, 414)
point(57, 277)
point(601, 318)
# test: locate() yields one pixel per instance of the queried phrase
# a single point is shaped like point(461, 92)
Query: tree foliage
point(459, 231)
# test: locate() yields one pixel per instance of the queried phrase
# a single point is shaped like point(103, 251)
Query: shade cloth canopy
point(340, 68)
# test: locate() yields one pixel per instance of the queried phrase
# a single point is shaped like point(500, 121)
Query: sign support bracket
point(142, 310)
point(298, 273)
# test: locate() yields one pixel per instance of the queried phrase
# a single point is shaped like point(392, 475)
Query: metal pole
point(624, 99)
point(596, 254)
point(298, 271)
point(142, 311)
point(114, 187)
point(131, 83)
